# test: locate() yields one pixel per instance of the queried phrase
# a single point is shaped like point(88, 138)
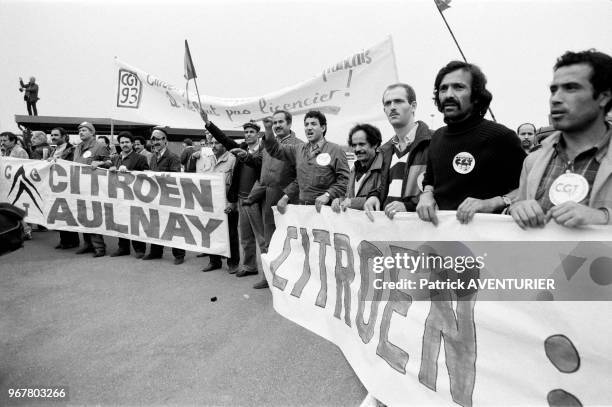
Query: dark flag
point(442, 4)
point(190, 72)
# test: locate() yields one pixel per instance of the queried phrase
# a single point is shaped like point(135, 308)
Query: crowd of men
point(471, 165)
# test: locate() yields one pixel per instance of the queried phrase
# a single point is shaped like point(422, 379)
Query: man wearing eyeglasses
point(163, 160)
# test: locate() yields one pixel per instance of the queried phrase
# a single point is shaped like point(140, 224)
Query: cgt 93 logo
point(129, 89)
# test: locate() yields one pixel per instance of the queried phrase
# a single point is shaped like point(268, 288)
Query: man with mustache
point(569, 179)
point(128, 160)
point(473, 163)
point(163, 160)
point(526, 133)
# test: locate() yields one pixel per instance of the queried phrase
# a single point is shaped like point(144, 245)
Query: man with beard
point(163, 160)
point(63, 151)
point(526, 133)
point(473, 163)
point(128, 160)
point(90, 152)
point(570, 178)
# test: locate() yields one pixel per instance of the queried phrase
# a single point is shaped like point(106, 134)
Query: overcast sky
point(248, 48)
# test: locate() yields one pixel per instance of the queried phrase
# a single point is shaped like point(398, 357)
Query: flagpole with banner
point(443, 5)
point(190, 72)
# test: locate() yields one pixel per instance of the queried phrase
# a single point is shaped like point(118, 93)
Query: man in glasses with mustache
point(163, 160)
point(473, 163)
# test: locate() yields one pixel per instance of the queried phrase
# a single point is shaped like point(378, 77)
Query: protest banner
point(530, 326)
point(347, 92)
point(171, 209)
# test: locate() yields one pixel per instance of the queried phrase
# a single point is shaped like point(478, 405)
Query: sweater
point(476, 158)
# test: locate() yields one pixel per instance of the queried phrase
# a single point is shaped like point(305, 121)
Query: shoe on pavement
point(179, 260)
point(233, 270)
point(100, 253)
point(86, 249)
point(70, 246)
point(139, 255)
point(151, 257)
point(203, 255)
point(59, 246)
point(262, 284)
point(211, 267)
point(244, 273)
point(120, 253)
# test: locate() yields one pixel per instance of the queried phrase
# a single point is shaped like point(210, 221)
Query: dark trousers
point(234, 259)
point(250, 225)
point(124, 245)
point(158, 251)
point(94, 240)
point(273, 194)
point(69, 238)
point(31, 108)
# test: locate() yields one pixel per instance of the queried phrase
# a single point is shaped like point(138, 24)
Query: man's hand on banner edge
point(282, 203)
point(528, 213)
point(371, 204)
point(340, 204)
point(96, 164)
point(572, 214)
point(321, 200)
point(112, 169)
point(427, 207)
point(471, 206)
point(394, 207)
point(123, 168)
point(204, 117)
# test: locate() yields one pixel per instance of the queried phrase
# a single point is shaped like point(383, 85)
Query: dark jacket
point(415, 168)
point(133, 162)
point(38, 151)
point(243, 176)
point(31, 91)
point(168, 162)
point(66, 154)
point(277, 173)
point(370, 181)
point(86, 152)
point(186, 155)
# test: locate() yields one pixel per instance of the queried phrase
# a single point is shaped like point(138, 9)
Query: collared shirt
point(160, 153)
point(586, 164)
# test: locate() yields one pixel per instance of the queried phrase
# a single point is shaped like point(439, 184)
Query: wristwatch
point(507, 200)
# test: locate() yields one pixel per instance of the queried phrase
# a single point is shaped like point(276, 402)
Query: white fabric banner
point(347, 92)
point(438, 345)
point(171, 209)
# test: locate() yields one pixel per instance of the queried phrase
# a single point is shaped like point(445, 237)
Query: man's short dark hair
point(601, 64)
point(188, 142)
point(481, 97)
point(315, 114)
point(410, 93)
point(288, 116)
point(11, 136)
point(373, 135)
point(106, 140)
point(526, 124)
point(62, 131)
point(141, 139)
point(125, 134)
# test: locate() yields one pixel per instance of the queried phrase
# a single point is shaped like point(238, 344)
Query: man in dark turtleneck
point(473, 163)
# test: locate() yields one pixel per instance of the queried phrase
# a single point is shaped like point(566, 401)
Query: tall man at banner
point(128, 160)
point(473, 163)
point(139, 147)
point(406, 153)
point(570, 178)
point(90, 152)
point(63, 151)
point(321, 166)
point(224, 162)
point(276, 179)
point(244, 176)
point(163, 160)
point(10, 147)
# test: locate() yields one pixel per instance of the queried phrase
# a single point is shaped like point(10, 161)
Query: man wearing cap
point(250, 221)
point(569, 179)
point(90, 152)
point(163, 160)
point(128, 160)
point(321, 166)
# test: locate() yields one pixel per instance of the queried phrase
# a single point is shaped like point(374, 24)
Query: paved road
point(122, 331)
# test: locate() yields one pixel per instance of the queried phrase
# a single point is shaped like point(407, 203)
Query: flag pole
point(459, 48)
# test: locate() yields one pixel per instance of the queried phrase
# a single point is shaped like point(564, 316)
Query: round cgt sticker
point(568, 187)
point(323, 159)
point(464, 162)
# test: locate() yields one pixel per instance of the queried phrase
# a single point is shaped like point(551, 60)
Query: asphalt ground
point(123, 331)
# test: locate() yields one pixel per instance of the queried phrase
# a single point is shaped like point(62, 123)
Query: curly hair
point(481, 97)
